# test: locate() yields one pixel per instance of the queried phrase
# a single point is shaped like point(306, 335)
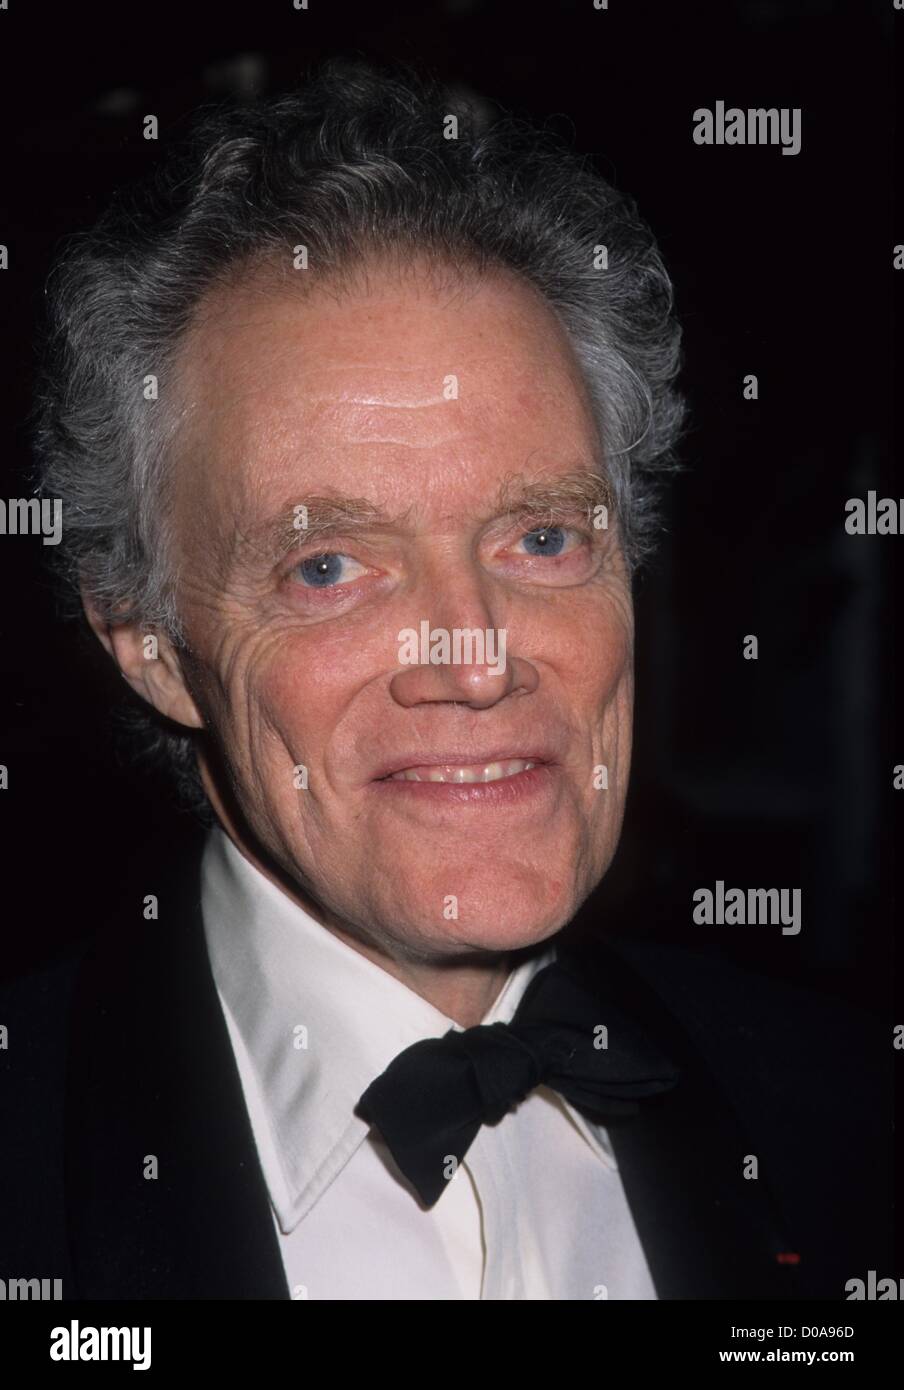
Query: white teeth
point(486, 772)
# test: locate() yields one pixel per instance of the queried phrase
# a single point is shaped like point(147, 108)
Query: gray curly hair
point(355, 162)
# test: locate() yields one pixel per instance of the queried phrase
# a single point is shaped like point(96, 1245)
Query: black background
point(776, 772)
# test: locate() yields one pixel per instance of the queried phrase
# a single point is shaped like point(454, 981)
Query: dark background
point(774, 773)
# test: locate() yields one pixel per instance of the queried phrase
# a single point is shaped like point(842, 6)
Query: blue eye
point(322, 571)
point(549, 540)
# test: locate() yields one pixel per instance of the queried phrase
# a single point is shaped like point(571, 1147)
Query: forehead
point(397, 381)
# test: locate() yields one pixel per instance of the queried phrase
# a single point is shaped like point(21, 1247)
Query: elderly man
point(357, 416)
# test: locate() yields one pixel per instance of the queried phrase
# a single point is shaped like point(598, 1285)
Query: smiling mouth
point(463, 773)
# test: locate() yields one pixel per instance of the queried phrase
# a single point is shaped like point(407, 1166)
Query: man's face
point(408, 418)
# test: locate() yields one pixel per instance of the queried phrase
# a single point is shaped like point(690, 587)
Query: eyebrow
point(333, 514)
point(579, 491)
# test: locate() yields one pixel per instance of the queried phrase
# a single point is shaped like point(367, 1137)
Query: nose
point(476, 684)
point(466, 661)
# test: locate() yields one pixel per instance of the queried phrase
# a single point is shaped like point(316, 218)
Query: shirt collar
point(316, 1022)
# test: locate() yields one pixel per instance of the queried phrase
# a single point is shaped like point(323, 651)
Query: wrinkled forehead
point(415, 382)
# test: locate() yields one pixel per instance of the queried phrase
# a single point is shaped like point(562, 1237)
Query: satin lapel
point(152, 1076)
point(707, 1232)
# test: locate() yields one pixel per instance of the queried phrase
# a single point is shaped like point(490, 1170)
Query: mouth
point(461, 774)
point(503, 780)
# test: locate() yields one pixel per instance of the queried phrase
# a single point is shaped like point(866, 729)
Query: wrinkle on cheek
point(283, 715)
point(603, 687)
point(598, 664)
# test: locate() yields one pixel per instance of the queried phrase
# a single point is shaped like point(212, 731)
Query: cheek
point(616, 673)
point(601, 681)
point(293, 697)
point(599, 668)
point(256, 695)
point(281, 699)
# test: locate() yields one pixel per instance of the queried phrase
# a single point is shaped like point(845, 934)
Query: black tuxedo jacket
point(119, 1051)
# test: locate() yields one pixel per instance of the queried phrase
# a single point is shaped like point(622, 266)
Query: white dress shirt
point(536, 1209)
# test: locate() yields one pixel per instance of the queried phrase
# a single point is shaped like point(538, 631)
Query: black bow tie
point(431, 1100)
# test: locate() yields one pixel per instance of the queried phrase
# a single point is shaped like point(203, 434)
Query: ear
point(149, 663)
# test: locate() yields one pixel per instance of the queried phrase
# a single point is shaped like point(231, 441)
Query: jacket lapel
point(707, 1232)
point(152, 1075)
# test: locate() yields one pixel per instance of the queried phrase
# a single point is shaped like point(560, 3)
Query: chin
point(495, 916)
